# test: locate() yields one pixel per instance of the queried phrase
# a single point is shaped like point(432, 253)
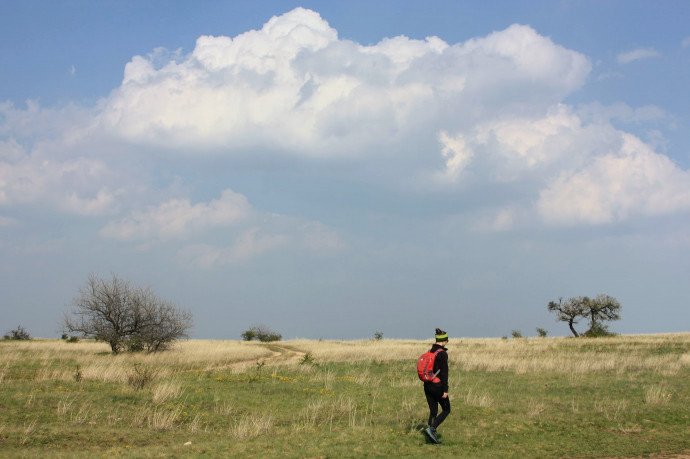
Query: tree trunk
point(572, 329)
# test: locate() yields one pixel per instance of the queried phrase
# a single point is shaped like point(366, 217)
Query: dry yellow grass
point(251, 426)
point(522, 356)
point(92, 361)
point(88, 360)
point(165, 391)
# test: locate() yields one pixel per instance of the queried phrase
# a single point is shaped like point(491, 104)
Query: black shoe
point(430, 432)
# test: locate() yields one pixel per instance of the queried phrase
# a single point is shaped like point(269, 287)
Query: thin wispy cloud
point(636, 55)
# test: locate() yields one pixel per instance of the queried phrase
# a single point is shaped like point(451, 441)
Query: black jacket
point(440, 363)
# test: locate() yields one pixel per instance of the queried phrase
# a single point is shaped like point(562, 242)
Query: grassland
point(544, 397)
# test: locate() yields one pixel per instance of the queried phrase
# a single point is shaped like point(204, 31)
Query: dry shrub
point(3, 372)
point(195, 425)
point(249, 427)
point(535, 408)
point(323, 411)
point(611, 409)
point(114, 418)
point(83, 414)
point(140, 376)
point(27, 431)
point(478, 400)
point(630, 429)
point(224, 409)
point(64, 405)
point(412, 412)
point(685, 360)
point(164, 391)
point(156, 418)
point(657, 395)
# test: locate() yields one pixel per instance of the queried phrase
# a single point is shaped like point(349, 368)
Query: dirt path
point(279, 355)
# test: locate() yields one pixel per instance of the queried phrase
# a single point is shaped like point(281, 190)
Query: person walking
point(436, 390)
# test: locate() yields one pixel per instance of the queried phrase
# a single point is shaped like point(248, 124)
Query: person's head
point(441, 337)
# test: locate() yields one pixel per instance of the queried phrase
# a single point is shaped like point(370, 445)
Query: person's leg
point(433, 398)
point(445, 407)
point(432, 401)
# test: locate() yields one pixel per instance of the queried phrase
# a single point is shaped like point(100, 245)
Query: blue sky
point(335, 169)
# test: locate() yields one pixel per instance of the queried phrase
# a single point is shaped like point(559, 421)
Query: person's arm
point(443, 376)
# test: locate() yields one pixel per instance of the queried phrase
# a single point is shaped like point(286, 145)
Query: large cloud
point(487, 113)
point(293, 85)
point(568, 172)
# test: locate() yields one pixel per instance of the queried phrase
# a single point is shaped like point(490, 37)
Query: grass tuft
point(251, 426)
point(657, 395)
point(166, 391)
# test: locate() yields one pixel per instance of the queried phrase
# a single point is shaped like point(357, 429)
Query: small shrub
point(270, 337)
point(378, 336)
point(657, 395)
point(19, 334)
point(516, 334)
point(78, 376)
point(308, 359)
point(542, 333)
point(260, 364)
point(599, 331)
point(165, 391)
point(64, 336)
point(73, 339)
point(140, 376)
point(262, 333)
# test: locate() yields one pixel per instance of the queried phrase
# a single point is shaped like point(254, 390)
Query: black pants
point(434, 397)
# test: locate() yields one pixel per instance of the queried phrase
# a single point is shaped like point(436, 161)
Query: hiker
point(436, 390)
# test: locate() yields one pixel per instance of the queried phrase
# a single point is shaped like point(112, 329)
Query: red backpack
point(425, 367)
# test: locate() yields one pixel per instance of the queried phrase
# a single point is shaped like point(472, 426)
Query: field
point(625, 396)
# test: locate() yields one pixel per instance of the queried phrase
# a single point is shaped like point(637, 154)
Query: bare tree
point(125, 316)
point(161, 323)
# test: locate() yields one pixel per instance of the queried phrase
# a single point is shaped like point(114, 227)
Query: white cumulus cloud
point(630, 182)
point(295, 86)
point(485, 114)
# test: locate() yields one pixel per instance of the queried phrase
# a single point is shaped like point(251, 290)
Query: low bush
point(19, 334)
point(261, 333)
